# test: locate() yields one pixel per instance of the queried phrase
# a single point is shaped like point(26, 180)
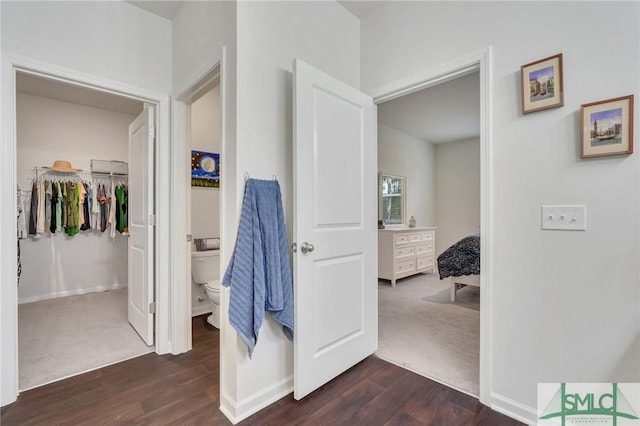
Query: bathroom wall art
point(205, 169)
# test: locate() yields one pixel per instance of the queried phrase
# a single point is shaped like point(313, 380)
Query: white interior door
point(141, 142)
point(335, 228)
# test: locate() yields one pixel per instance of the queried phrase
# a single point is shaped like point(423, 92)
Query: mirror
point(392, 199)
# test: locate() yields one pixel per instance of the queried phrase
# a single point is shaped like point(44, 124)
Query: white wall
point(200, 31)
point(404, 155)
point(113, 42)
point(205, 136)
point(565, 305)
point(56, 265)
point(205, 201)
point(270, 36)
point(457, 202)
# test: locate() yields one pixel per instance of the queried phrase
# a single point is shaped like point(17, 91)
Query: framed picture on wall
point(607, 127)
point(542, 86)
point(205, 169)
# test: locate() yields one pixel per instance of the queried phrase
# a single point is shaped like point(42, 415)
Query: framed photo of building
point(607, 127)
point(542, 86)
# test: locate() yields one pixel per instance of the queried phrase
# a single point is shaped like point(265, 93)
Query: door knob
point(306, 247)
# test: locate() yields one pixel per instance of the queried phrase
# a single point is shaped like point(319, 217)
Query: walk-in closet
point(73, 176)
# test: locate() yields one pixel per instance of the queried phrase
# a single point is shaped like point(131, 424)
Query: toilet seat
point(213, 285)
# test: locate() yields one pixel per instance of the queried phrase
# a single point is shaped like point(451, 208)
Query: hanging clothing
point(52, 213)
point(95, 208)
point(65, 197)
point(112, 211)
point(40, 224)
point(59, 226)
point(47, 205)
point(81, 199)
point(90, 205)
point(121, 208)
point(259, 273)
point(22, 216)
point(71, 203)
point(104, 206)
point(33, 211)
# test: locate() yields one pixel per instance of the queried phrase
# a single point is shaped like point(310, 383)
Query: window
point(392, 199)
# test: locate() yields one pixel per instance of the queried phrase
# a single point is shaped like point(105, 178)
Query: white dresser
point(405, 251)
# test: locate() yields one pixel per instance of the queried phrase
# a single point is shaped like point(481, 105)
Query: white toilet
point(205, 269)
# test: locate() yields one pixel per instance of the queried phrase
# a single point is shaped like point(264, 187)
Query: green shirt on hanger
point(72, 208)
point(121, 209)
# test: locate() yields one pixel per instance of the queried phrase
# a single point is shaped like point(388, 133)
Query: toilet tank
point(205, 266)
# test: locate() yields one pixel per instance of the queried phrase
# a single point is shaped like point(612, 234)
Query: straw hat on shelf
point(62, 166)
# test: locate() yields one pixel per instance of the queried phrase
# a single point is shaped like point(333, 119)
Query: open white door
point(141, 142)
point(335, 227)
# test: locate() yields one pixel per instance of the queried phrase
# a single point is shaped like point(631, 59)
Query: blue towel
point(259, 273)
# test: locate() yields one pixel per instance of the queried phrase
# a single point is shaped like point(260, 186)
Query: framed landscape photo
point(542, 86)
point(607, 127)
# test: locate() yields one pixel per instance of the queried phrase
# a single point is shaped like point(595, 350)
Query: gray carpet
point(63, 337)
point(423, 331)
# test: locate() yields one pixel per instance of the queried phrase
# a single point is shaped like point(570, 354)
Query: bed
point(460, 263)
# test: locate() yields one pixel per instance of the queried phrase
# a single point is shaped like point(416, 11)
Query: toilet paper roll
point(211, 243)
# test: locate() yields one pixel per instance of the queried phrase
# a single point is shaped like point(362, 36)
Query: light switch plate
point(565, 218)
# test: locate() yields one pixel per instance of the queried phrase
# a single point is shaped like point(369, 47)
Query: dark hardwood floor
point(183, 390)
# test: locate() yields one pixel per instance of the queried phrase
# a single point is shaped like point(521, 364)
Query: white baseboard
point(67, 293)
point(238, 411)
point(201, 310)
point(514, 409)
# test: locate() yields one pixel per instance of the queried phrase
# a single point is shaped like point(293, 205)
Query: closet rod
point(81, 171)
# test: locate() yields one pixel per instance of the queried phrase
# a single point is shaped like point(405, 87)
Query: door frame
point(476, 61)
point(180, 188)
point(11, 64)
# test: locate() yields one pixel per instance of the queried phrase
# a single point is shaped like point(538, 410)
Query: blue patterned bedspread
point(462, 258)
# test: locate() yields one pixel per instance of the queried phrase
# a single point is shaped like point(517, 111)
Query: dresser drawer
point(402, 239)
point(427, 236)
point(406, 266)
point(405, 251)
point(424, 249)
point(414, 238)
point(425, 262)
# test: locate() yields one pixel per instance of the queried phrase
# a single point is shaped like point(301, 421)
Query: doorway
point(13, 67)
point(204, 200)
point(74, 314)
point(72, 150)
point(198, 161)
point(479, 63)
point(431, 138)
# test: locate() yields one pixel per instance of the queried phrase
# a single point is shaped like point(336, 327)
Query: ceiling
point(53, 89)
point(361, 8)
point(166, 9)
point(169, 9)
point(444, 113)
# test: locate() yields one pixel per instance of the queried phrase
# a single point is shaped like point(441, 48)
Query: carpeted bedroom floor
point(422, 330)
point(70, 335)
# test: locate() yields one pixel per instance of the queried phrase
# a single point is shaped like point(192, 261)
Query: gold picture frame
point(607, 127)
point(542, 84)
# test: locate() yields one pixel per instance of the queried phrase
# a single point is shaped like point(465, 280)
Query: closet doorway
point(88, 239)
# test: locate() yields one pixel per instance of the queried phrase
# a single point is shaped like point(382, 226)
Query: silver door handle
point(306, 247)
